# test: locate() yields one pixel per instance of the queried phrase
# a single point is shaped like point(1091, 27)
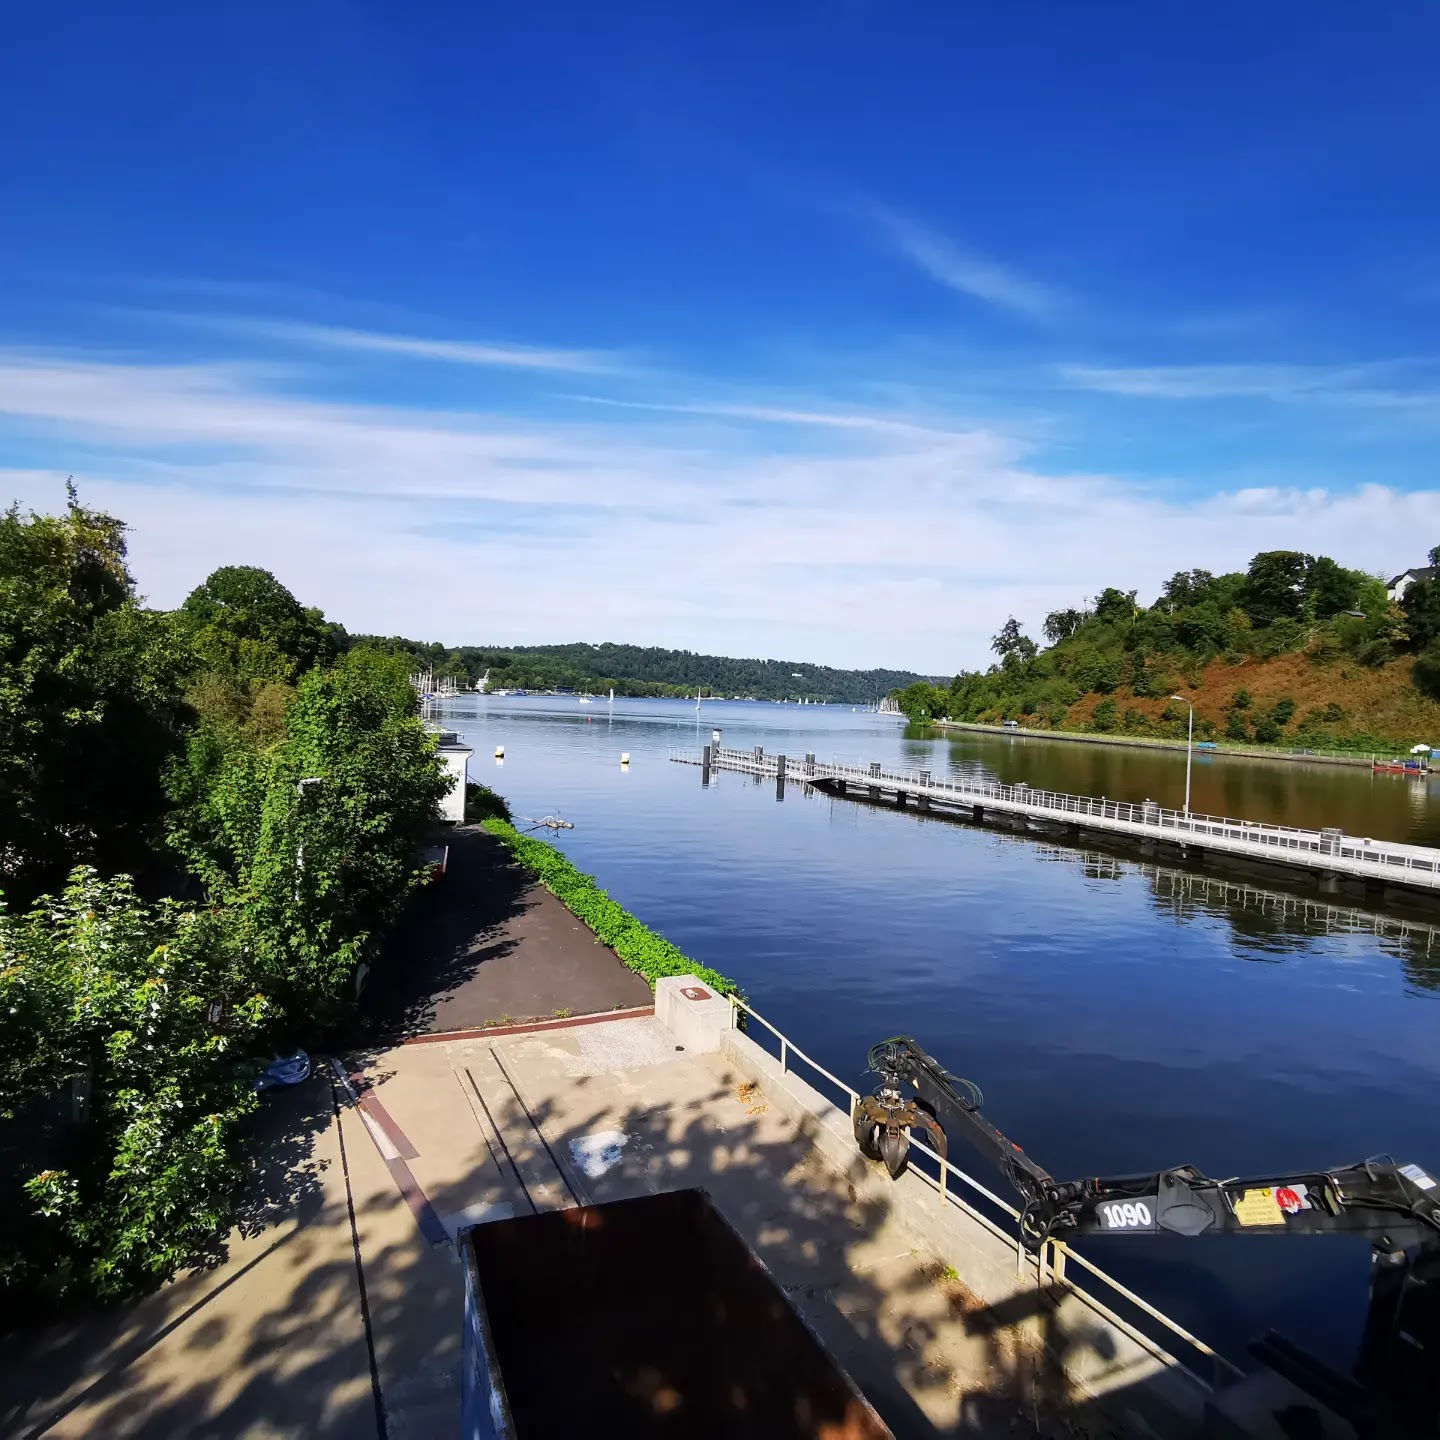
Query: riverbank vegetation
point(208, 820)
point(643, 670)
point(1296, 651)
point(641, 948)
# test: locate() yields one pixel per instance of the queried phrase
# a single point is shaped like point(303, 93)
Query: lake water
point(1119, 1015)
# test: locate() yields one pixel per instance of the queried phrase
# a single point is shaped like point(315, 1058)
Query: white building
point(455, 756)
point(1406, 578)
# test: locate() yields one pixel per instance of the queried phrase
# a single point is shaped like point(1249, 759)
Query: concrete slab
point(606, 1127)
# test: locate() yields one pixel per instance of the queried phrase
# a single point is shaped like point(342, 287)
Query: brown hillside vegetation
point(1378, 702)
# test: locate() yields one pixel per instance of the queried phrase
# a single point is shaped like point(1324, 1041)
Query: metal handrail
point(1146, 815)
point(1054, 1255)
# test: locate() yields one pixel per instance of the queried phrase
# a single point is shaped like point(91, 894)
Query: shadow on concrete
point(246, 1342)
point(282, 1339)
point(485, 945)
point(917, 1343)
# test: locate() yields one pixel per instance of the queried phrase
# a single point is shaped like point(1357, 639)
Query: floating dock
point(1328, 853)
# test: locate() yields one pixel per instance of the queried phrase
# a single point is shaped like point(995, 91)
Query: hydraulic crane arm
point(1394, 1206)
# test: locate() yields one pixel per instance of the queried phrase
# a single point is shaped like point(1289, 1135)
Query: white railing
point(1050, 1263)
point(1276, 842)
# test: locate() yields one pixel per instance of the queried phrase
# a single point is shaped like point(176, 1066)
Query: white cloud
point(1287, 384)
point(965, 270)
point(887, 541)
point(417, 347)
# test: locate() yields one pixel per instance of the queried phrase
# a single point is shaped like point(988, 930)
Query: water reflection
point(1269, 926)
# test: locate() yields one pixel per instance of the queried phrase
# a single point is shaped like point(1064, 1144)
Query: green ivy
point(640, 948)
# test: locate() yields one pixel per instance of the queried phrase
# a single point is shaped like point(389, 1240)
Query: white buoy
point(624, 757)
point(499, 752)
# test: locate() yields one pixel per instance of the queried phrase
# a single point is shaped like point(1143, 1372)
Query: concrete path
point(487, 946)
point(524, 1123)
point(344, 1303)
point(268, 1345)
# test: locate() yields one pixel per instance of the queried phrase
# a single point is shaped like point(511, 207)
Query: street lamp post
point(1189, 747)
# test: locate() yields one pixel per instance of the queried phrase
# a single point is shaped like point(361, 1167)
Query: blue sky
point(834, 332)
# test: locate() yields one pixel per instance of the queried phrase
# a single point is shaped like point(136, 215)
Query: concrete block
point(693, 1013)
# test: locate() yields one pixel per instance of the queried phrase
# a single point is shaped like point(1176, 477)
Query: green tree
point(1186, 588)
point(90, 702)
point(1011, 644)
point(923, 702)
point(1330, 588)
point(1202, 627)
point(1421, 606)
point(1275, 586)
point(1103, 718)
point(313, 840)
point(121, 1026)
point(1061, 624)
point(1115, 606)
point(247, 627)
point(1426, 673)
point(1235, 726)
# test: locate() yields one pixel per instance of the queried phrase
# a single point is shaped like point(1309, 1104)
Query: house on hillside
point(1406, 578)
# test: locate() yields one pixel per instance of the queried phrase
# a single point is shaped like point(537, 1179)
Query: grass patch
point(638, 946)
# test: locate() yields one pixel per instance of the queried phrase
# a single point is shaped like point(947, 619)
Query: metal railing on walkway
point(1328, 849)
point(1050, 1265)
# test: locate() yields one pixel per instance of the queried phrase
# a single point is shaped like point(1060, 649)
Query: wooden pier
point(1329, 853)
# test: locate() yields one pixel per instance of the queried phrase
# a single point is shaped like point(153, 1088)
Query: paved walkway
point(486, 946)
point(283, 1340)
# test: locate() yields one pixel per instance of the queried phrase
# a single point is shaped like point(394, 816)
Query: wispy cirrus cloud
point(699, 531)
point(415, 347)
point(1379, 383)
point(964, 270)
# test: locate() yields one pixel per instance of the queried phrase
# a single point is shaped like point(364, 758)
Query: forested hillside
point(1297, 650)
point(645, 670)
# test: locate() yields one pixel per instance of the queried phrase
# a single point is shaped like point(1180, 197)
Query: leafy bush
point(1266, 730)
point(1240, 700)
point(1427, 671)
point(1235, 727)
point(121, 1026)
point(1104, 717)
point(1284, 709)
point(482, 803)
point(644, 951)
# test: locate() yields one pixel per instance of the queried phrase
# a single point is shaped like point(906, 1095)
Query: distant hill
point(645, 670)
point(1296, 651)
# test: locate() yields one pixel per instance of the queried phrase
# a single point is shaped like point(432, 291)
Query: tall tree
point(1011, 643)
point(1330, 588)
point(247, 627)
point(90, 706)
point(1061, 624)
point(1275, 586)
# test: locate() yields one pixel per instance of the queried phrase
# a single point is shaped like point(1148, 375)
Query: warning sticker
point(1292, 1199)
point(1258, 1207)
point(1415, 1173)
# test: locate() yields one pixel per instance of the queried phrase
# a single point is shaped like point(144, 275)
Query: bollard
point(779, 767)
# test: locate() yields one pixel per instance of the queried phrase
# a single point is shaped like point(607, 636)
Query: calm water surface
point(1119, 1015)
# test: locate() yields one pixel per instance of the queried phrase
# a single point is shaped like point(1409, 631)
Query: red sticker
point(1291, 1199)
